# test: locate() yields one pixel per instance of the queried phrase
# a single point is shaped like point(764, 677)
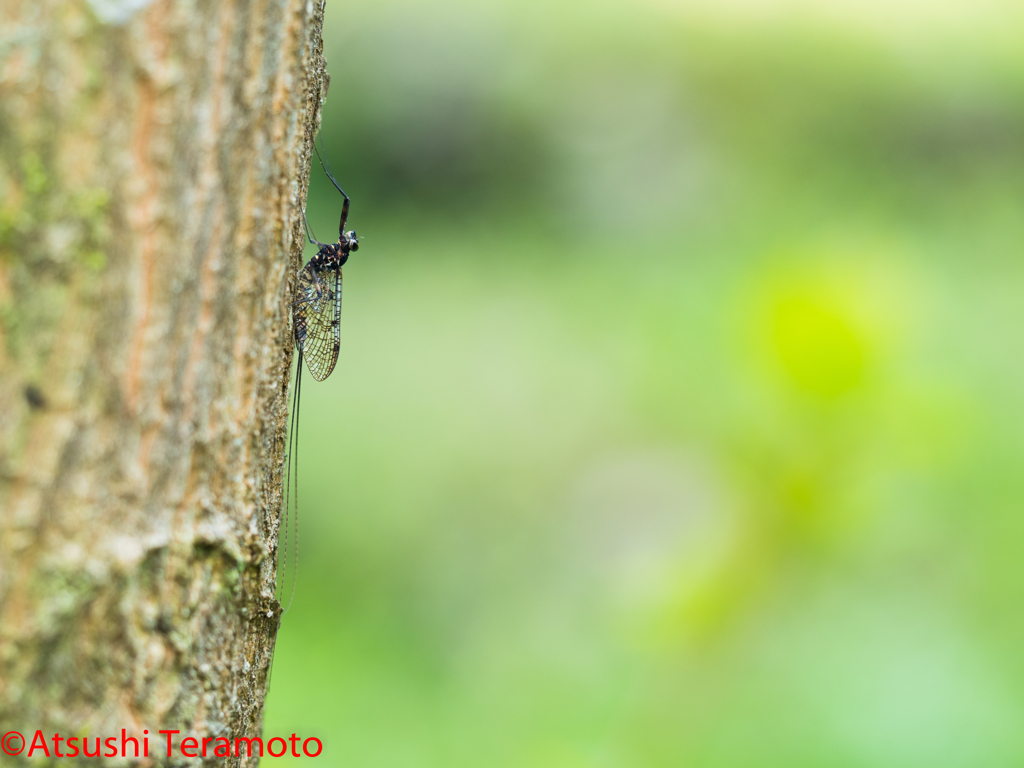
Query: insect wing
point(317, 312)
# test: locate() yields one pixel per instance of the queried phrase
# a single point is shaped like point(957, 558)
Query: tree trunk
point(153, 166)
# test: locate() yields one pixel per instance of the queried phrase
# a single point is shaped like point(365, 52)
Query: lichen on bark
point(152, 178)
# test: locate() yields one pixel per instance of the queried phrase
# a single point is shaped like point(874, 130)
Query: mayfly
point(316, 311)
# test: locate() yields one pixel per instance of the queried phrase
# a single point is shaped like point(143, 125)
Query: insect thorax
point(330, 257)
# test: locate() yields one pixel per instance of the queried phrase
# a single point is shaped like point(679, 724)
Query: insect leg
point(309, 231)
point(316, 282)
point(337, 186)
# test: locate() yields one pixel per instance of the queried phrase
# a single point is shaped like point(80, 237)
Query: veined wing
point(317, 312)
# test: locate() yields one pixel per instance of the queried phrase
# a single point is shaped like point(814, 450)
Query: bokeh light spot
point(819, 347)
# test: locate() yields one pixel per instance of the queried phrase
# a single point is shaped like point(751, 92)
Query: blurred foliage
point(679, 419)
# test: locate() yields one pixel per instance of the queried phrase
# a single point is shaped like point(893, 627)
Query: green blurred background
point(679, 419)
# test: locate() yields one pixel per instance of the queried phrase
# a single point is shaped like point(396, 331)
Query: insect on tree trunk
point(153, 166)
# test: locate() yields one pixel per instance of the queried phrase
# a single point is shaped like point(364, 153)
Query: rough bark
point(153, 167)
